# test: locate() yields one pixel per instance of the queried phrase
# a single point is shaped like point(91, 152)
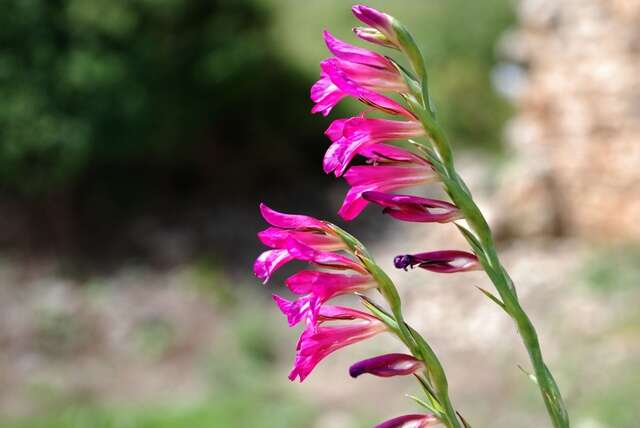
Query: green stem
point(460, 195)
point(438, 376)
point(416, 343)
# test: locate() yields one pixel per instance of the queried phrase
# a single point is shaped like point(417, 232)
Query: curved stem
point(417, 345)
point(461, 196)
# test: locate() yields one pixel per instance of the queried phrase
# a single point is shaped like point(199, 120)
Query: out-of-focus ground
point(140, 336)
point(186, 337)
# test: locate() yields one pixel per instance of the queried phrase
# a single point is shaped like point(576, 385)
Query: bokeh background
point(137, 138)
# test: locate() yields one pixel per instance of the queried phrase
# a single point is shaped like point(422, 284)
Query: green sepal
point(378, 312)
point(385, 285)
point(431, 395)
point(412, 83)
point(475, 244)
point(425, 405)
point(558, 402)
point(431, 156)
point(495, 300)
point(531, 376)
point(412, 51)
point(351, 241)
point(464, 421)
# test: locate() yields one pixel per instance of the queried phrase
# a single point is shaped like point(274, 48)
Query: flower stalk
point(485, 250)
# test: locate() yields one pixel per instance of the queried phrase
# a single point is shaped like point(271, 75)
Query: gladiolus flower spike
point(344, 266)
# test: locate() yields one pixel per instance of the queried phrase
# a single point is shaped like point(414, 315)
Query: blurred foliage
point(91, 82)
point(101, 88)
point(254, 409)
point(244, 382)
point(614, 268)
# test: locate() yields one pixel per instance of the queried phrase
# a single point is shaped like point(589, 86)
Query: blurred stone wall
point(575, 139)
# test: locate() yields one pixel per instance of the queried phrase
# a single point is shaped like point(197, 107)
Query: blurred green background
point(136, 139)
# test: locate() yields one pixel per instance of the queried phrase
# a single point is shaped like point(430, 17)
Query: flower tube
point(316, 288)
point(352, 135)
point(380, 178)
point(271, 260)
point(414, 208)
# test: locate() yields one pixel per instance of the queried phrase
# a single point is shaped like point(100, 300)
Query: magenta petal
point(387, 366)
point(335, 129)
point(410, 421)
point(360, 132)
point(332, 313)
point(334, 156)
point(277, 238)
point(355, 54)
point(382, 175)
point(270, 261)
point(317, 343)
point(291, 221)
point(298, 309)
point(327, 284)
point(380, 178)
point(326, 95)
point(353, 203)
point(325, 259)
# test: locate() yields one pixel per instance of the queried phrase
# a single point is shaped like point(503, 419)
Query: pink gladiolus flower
point(270, 261)
point(349, 136)
point(352, 68)
point(414, 208)
point(387, 366)
point(316, 289)
point(447, 261)
point(317, 343)
point(341, 80)
point(383, 178)
point(410, 421)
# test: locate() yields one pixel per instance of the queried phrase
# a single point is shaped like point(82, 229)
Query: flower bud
point(374, 36)
point(446, 261)
point(387, 366)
